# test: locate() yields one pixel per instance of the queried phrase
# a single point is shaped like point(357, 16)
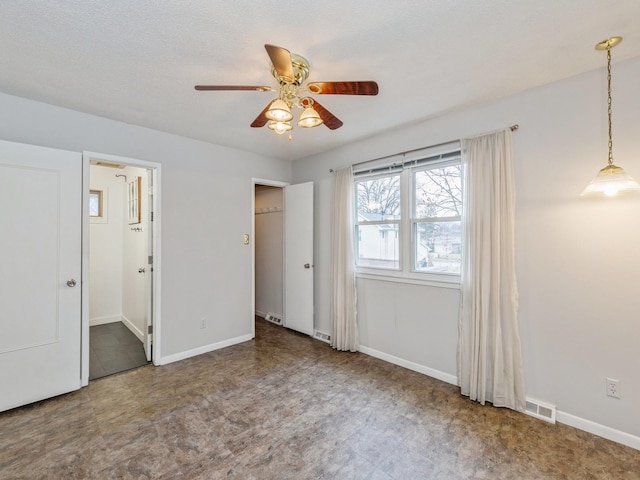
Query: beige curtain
point(489, 354)
point(344, 328)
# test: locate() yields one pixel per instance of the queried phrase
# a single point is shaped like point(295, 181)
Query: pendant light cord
point(609, 103)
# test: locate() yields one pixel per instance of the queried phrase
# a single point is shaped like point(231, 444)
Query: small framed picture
point(133, 200)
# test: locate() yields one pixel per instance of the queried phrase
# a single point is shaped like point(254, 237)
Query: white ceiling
point(137, 61)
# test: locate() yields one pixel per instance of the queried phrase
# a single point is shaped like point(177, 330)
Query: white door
point(298, 261)
point(149, 268)
point(40, 272)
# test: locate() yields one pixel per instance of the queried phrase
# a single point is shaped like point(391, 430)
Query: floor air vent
point(325, 337)
point(541, 410)
point(273, 318)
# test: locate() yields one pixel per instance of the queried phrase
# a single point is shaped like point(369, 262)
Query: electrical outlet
point(613, 388)
point(203, 322)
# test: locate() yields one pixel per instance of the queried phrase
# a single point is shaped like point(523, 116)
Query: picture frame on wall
point(133, 200)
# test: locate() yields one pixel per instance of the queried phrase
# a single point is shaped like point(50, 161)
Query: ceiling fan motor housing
point(300, 67)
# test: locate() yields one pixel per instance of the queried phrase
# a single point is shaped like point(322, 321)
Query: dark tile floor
point(113, 348)
point(285, 406)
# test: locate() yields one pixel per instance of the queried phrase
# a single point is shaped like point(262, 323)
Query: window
point(408, 218)
point(95, 203)
point(377, 213)
point(98, 201)
point(437, 207)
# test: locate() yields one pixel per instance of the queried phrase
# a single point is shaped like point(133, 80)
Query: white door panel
point(40, 250)
point(298, 241)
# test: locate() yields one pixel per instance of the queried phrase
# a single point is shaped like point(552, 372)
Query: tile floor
point(285, 406)
point(113, 348)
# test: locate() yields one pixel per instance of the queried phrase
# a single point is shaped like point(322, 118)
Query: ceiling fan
point(291, 71)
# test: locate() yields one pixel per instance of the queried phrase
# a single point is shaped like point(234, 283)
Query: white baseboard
point(204, 349)
point(598, 429)
point(135, 330)
point(260, 314)
point(561, 417)
point(104, 320)
point(430, 372)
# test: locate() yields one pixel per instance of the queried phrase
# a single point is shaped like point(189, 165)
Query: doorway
point(121, 314)
point(269, 252)
point(282, 231)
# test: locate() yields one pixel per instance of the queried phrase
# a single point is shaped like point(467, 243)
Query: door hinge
point(150, 329)
point(151, 216)
point(150, 262)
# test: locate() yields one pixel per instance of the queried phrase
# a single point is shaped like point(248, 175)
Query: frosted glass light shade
point(280, 127)
point(279, 111)
point(610, 181)
point(309, 118)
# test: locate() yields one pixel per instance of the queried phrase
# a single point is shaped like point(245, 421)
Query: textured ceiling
point(137, 62)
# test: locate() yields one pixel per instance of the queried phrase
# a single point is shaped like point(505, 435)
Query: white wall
point(134, 257)
point(207, 192)
point(105, 265)
point(269, 254)
point(578, 261)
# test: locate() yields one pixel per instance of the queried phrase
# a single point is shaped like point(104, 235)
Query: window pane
point(438, 192)
point(95, 201)
point(378, 246)
point(438, 247)
point(378, 199)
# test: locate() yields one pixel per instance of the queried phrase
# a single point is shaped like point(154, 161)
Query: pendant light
point(612, 179)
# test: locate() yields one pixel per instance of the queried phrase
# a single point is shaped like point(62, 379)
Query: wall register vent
point(273, 318)
point(324, 337)
point(541, 410)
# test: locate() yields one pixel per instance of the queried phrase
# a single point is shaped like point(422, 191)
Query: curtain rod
point(513, 128)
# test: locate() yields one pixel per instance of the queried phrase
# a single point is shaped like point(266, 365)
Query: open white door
point(40, 278)
point(298, 261)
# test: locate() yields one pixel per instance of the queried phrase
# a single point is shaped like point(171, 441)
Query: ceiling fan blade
point(330, 120)
point(261, 120)
point(343, 88)
point(281, 59)
point(257, 88)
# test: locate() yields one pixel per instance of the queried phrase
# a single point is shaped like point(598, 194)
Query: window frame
point(407, 271)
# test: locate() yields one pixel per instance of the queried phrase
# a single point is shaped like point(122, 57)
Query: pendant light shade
point(279, 111)
point(280, 127)
point(309, 118)
point(612, 179)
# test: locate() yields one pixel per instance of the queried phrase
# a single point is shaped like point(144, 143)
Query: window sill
point(451, 281)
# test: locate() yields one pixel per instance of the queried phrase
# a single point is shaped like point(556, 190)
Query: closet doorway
point(283, 254)
point(121, 243)
point(269, 252)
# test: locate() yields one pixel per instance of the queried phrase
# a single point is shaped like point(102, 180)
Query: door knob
point(71, 282)
point(141, 270)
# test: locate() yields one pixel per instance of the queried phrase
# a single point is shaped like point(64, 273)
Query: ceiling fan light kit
point(291, 71)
